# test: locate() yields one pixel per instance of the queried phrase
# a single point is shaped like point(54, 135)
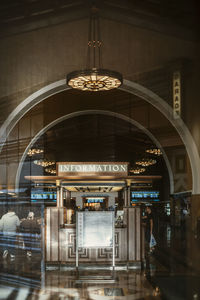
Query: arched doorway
point(129, 87)
point(96, 112)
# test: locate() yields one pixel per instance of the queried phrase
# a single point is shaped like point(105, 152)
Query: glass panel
point(95, 229)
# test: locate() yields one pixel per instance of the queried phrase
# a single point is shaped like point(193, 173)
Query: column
point(59, 193)
point(125, 196)
point(128, 192)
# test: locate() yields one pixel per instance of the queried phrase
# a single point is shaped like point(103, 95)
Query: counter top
point(66, 226)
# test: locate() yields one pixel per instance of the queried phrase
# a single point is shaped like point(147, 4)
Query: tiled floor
point(165, 276)
point(23, 279)
point(131, 285)
point(126, 285)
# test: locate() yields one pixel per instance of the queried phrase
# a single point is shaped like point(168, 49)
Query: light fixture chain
point(88, 66)
point(99, 42)
point(94, 41)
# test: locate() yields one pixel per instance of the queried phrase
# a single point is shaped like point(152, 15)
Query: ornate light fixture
point(44, 162)
point(154, 150)
point(137, 170)
point(50, 170)
point(94, 80)
point(34, 151)
point(146, 162)
point(94, 77)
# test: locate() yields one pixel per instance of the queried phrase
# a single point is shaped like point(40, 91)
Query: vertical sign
point(177, 94)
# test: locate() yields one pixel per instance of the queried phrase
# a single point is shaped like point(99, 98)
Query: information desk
point(60, 241)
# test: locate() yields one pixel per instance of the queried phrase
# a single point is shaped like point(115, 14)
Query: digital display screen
point(94, 200)
point(137, 196)
point(39, 195)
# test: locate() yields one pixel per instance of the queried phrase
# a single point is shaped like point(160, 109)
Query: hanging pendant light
point(34, 151)
point(145, 162)
point(137, 170)
point(94, 78)
point(44, 162)
point(50, 170)
point(154, 150)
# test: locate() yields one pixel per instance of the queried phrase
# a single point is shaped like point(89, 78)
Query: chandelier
point(137, 170)
point(146, 162)
point(44, 162)
point(50, 170)
point(94, 78)
point(154, 150)
point(34, 151)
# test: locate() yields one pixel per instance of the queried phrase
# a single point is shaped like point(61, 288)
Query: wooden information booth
point(60, 238)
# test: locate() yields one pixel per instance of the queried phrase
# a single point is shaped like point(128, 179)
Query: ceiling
point(93, 138)
point(178, 17)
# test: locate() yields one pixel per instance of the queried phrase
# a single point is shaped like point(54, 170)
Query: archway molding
point(94, 112)
point(130, 87)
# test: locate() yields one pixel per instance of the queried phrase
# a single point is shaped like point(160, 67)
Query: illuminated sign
point(138, 196)
point(39, 195)
point(94, 200)
point(177, 94)
point(145, 194)
point(87, 169)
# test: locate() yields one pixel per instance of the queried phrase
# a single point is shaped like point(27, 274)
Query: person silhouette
point(8, 225)
point(30, 228)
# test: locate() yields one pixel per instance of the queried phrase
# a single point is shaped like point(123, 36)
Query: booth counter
point(60, 240)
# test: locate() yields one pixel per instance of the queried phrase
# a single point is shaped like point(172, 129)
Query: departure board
point(95, 229)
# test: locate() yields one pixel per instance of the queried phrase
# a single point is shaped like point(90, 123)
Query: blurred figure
point(111, 208)
point(8, 225)
point(149, 225)
point(73, 217)
point(30, 228)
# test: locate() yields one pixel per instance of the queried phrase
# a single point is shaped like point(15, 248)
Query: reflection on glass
point(95, 229)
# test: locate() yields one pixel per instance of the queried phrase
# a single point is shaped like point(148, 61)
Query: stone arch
point(130, 87)
point(90, 112)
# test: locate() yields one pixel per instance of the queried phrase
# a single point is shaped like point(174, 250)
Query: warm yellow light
point(50, 171)
point(155, 151)
point(146, 162)
point(44, 162)
point(34, 151)
point(94, 80)
point(137, 170)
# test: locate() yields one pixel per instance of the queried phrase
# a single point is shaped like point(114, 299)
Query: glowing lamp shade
point(94, 80)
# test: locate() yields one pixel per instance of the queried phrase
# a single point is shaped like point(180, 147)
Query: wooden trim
point(91, 178)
